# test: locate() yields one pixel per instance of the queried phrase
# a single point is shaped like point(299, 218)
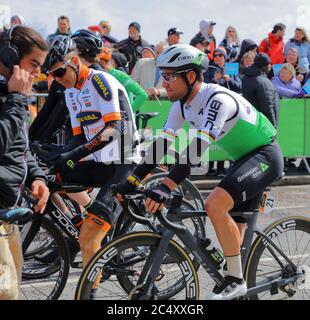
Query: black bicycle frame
point(203, 256)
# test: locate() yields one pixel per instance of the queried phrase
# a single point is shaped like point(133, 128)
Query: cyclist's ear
point(191, 76)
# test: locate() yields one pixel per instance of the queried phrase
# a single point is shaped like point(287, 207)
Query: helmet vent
point(169, 49)
point(174, 57)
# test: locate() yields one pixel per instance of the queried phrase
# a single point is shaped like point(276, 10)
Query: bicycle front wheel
point(45, 280)
point(121, 262)
point(265, 264)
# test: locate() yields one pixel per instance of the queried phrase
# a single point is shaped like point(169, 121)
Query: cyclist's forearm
point(190, 156)
point(155, 152)
point(75, 142)
point(99, 141)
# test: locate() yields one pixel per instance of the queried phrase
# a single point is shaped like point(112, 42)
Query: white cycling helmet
point(182, 57)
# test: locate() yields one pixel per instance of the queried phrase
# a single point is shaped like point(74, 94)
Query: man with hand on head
point(22, 52)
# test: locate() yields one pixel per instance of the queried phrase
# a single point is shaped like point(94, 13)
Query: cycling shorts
point(103, 176)
point(248, 177)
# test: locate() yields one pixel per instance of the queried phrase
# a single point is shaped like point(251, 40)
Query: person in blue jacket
point(301, 43)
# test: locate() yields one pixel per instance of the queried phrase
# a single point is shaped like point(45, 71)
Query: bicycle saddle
point(15, 215)
point(147, 115)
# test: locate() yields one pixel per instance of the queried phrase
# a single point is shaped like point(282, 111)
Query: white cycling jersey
point(224, 117)
point(97, 99)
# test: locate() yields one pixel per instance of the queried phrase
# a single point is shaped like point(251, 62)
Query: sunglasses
point(217, 55)
point(170, 77)
point(60, 71)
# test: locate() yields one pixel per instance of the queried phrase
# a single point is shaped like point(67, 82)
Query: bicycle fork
point(29, 231)
point(144, 289)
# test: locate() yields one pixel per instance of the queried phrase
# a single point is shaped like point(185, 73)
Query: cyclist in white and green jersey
point(226, 118)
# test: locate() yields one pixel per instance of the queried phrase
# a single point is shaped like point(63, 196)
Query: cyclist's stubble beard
point(177, 92)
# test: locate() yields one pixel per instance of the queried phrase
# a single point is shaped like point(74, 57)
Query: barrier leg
point(306, 164)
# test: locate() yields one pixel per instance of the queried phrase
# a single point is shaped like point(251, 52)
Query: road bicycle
point(54, 231)
point(275, 260)
point(42, 280)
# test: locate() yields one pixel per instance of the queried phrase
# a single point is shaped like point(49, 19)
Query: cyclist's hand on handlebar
point(63, 161)
point(157, 196)
point(124, 188)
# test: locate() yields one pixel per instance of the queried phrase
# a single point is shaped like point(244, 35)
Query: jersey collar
point(197, 101)
point(83, 74)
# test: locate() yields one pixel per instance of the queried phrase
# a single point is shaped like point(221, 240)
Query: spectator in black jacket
point(246, 46)
point(13, 138)
point(132, 46)
point(247, 60)
point(22, 51)
point(259, 90)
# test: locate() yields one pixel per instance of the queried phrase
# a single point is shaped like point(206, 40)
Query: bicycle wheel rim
point(292, 236)
point(46, 281)
point(140, 239)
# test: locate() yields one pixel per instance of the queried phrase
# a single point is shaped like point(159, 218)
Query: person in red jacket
point(273, 45)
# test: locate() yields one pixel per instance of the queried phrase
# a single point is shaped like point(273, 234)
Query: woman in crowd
point(247, 60)
point(302, 44)
point(292, 58)
point(231, 43)
point(286, 83)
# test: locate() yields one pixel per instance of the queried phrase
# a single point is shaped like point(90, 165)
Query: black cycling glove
point(159, 193)
point(129, 186)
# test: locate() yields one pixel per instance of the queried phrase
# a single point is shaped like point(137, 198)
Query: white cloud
point(253, 19)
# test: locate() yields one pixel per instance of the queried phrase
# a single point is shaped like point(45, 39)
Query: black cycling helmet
point(87, 42)
point(59, 49)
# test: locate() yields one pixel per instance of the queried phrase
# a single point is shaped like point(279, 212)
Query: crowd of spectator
point(263, 72)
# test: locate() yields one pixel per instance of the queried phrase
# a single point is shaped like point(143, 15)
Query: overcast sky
point(253, 19)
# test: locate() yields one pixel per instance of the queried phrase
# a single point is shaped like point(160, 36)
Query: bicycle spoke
point(288, 245)
point(37, 289)
point(303, 253)
point(302, 234)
